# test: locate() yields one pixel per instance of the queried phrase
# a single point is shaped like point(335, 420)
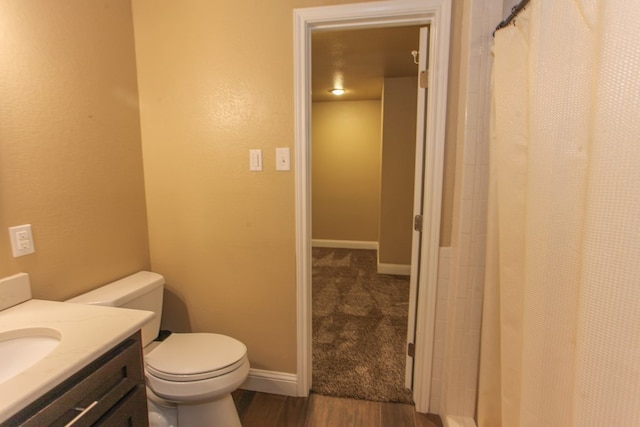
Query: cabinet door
point(112, 381)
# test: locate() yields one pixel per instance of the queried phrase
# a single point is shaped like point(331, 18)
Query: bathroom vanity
point(110, 391)
point(63, 361)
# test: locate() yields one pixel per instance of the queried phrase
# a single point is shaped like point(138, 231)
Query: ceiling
point(361, 59)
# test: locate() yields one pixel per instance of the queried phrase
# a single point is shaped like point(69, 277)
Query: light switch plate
point(283, 159)
point(255, 160)
point(21, 240)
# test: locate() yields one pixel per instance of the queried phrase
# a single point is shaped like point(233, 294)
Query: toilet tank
point(141, 291)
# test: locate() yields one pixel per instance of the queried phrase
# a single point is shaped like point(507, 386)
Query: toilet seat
point(194, 357)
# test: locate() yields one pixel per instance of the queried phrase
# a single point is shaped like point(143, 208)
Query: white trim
point(302, 134)
point(453, 421)
point(439, 35)
point(396, 269)
point(436, 14)
point(344, 244)
point(271, 382)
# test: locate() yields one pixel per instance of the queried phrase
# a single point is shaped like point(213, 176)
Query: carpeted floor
point(359, 327)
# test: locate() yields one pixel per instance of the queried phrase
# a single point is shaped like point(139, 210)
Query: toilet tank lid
point(122, 291)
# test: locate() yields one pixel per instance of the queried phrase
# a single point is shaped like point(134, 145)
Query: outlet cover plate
point(21, 240)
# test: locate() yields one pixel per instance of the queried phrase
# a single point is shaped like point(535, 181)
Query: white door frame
point(436, 14)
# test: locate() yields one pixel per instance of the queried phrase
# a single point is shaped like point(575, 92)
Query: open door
point(421, 136)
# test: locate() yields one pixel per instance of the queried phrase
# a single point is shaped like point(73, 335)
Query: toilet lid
point(195, 356)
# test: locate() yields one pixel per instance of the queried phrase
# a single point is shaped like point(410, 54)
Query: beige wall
point(70, 154)
point(215, 80)
point(346, 149)
point(398, 165)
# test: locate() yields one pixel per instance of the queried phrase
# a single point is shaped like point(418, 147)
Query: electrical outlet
point(21, 240)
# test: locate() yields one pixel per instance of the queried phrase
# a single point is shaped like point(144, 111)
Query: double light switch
point(283, 159)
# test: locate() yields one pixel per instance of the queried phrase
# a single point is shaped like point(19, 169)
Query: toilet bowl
point(190, 376)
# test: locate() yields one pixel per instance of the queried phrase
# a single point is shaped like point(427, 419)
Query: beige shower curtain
point(561, 323)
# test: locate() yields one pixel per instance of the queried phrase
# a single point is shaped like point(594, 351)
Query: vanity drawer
point(102, 391)
point(128, 412)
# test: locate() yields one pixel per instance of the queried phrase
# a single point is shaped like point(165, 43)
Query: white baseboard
point(457, 421)
point(344, 244)
point(397, 269)
point(272, 382)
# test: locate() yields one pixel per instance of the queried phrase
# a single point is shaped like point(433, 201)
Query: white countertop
point(87, 332)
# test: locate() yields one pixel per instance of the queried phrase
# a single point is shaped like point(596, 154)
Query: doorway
point(437, 15)
point(363, 161)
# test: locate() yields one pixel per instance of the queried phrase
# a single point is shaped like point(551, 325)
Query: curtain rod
point(514, 12)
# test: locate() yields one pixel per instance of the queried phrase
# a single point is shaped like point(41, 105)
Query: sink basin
point(22, 348)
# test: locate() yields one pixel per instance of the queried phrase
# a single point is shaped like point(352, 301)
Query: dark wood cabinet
point(110, 391)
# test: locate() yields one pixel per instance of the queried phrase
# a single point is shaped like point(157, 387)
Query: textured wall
point(70, 154)
point(346, 170)
point(215, 80)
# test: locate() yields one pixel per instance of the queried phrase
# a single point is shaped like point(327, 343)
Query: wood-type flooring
point(272, 410)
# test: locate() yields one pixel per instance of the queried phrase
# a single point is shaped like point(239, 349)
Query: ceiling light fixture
point(337, 91)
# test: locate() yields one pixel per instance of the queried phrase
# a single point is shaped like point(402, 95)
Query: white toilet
point(190, 376)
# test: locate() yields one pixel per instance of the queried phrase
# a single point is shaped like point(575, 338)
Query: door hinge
point(411, 349)
point(424, 77)
point(417, 223)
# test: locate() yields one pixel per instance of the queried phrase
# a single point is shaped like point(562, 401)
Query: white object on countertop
point(14, 290)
